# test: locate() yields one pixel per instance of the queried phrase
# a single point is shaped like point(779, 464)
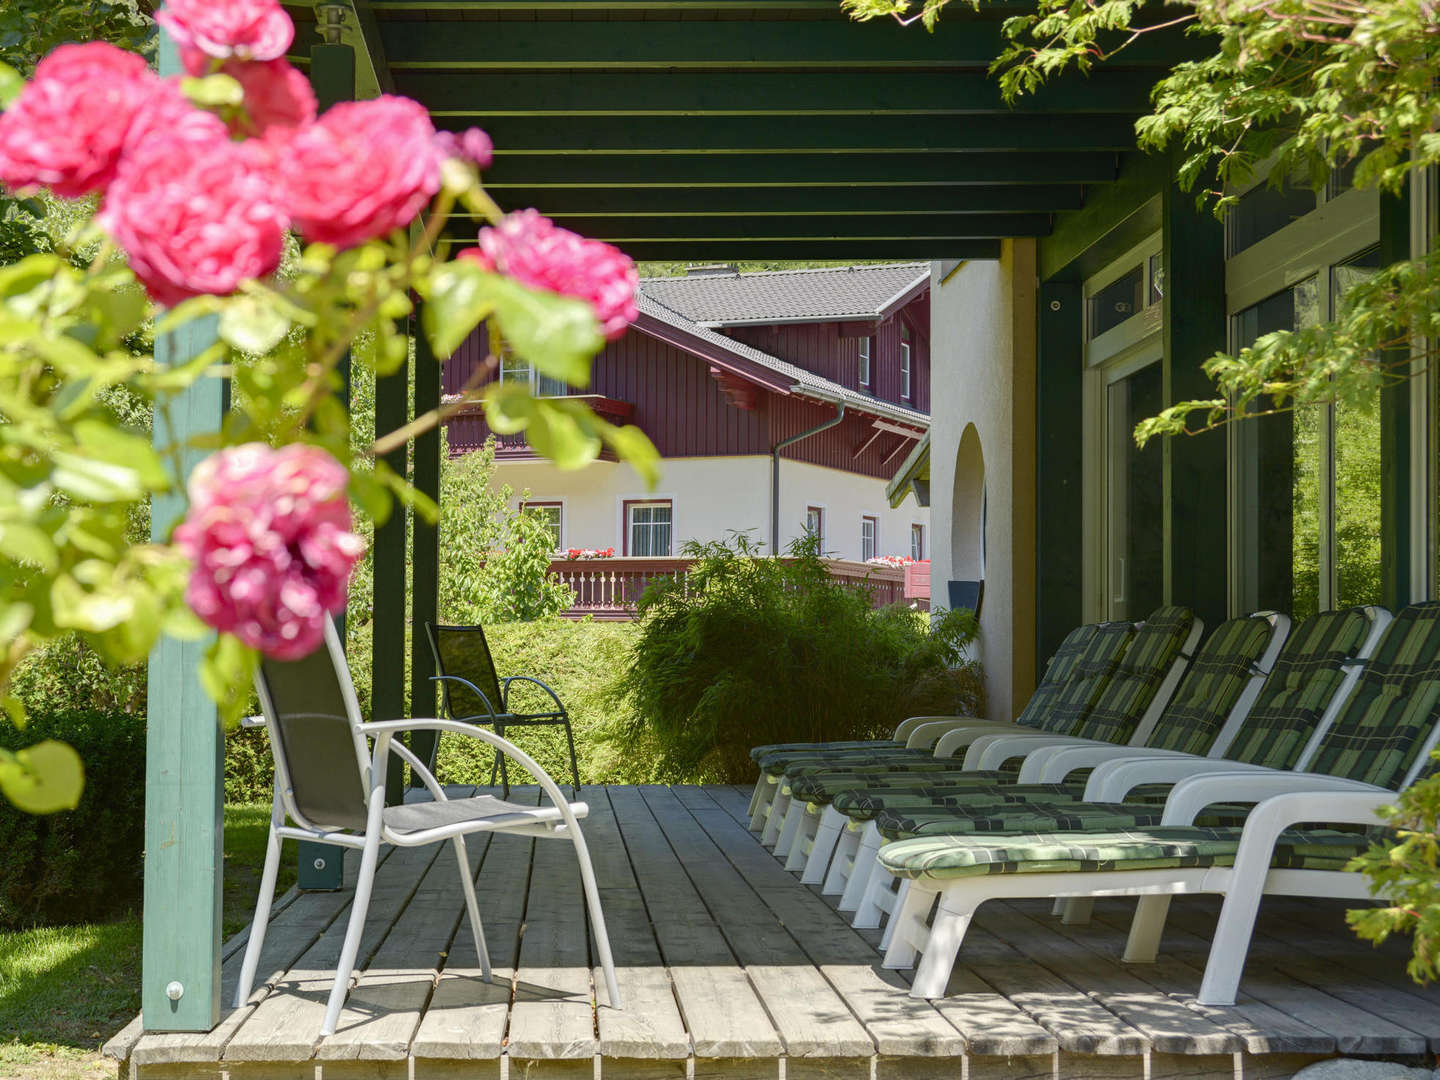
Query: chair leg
point(947, 932)
point(1146, 928)
point(597, 920)
point(504, 776)
point(789, 826)
point(766, 788)
point(907, 930)
point(262, 907)
point(897, 904)
point(1231, 943)
point(827, 835)
point(359, 906)
point(1077, 911)
point(795, 857)
point(473, 907)
point(842, 862)
point(866, 863)
point(574, 766)
point(775, 815)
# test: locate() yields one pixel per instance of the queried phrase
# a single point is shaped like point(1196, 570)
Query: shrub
point(751, 650)
point(82, 864)
point(67, 676)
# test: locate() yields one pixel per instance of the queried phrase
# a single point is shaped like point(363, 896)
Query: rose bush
point(201, 182)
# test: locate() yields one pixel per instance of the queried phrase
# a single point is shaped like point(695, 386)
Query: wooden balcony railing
point(608, 589)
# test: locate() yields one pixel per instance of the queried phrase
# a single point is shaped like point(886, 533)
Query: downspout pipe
point(775, 470)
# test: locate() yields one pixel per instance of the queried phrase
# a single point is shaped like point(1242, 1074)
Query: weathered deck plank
point(730, 968)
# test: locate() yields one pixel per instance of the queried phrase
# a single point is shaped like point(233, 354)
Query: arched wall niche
point(967, 525)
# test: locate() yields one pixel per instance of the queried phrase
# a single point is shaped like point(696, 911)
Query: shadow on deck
point(732, 969)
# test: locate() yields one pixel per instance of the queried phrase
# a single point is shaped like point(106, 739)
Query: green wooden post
point(387, 687)
point(1058, 473)
point(1395, 432)
point(184, 762)
point(332, 75)
point(425, 547)
point(1195, 468)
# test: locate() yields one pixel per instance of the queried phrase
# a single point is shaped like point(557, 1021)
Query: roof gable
point(779, 296)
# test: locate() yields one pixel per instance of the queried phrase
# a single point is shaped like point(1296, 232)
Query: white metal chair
point(315, 729)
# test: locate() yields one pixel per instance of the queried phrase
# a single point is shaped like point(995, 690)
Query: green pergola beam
point(736, 250)
point(685, 229)
point(796, 201)
point(796, 170)
point(1021, 132)
point(528, 44)
point(480, 96)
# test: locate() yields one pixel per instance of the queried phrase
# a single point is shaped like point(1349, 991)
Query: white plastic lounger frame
point(558, 821)
point(870, 892)
point(1284, 800)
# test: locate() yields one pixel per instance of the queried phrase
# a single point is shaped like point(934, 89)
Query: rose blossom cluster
point(533, 250)
point(196, 210)
point(269, 534)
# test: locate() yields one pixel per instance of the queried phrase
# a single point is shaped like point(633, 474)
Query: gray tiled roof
point(804, 383)
point(729, 299)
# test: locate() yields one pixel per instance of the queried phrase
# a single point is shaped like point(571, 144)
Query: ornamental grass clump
point(749, 650)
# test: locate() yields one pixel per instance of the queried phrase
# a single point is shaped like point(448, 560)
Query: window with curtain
point(648, 528)
point(917, 542)
point(869, 531)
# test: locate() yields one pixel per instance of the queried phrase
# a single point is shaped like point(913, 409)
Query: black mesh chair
point(472, 690)
point(330, 783)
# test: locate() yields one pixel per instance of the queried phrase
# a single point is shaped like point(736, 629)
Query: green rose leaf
point(127, 449)
point(31, 544)
point(226, 673)
point(558, 334)
point(509, 407)
point(251, 325)
point(633, 446)
point(562, 436)
point(11, 83)
point(43, 778)
point(458, 295)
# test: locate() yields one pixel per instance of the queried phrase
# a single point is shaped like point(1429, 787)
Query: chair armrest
point(1113, 780)
point(923, 736)
point(1194, 794)
point(960, 737)
point(1053, 763)
point(505, 690)
point(472, 688)
point(910, 723)
point(385, 731)
point(991, 751)
point(1276, 814)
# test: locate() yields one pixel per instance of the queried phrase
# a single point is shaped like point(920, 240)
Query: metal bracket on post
point(330, 22)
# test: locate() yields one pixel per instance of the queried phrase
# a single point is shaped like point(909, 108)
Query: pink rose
point(471, 145)
point(361, 170)
point(269, 534)
point(533, 250)
point(195, 215)
point(278, 98)
point(67, 129)
point(206, 30)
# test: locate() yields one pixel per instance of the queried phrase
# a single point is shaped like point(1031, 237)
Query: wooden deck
point(732, 969)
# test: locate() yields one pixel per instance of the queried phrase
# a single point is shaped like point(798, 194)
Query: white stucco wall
point(982, 380)
point(711, 496)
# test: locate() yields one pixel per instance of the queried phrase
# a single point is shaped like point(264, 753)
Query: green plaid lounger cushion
point(1393, 707)
point(945, 857)
point(901, 823)
point(1212, 685)
point(1137, 678)
point(1301, 686)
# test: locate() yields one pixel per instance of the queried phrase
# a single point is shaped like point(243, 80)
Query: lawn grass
point(64, 990)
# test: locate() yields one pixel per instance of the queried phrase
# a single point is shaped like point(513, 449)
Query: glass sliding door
point(1134, 496)
point(1358, 492)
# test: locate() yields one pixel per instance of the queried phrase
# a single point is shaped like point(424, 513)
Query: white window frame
point(629, 503)
point(513, 366)
point(557, 502)
point(865, 373)
point(917, 528)
point(819, 509)
point(907, 389)
point(873, 520)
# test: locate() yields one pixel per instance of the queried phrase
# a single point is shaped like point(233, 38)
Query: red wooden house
point(780, 401)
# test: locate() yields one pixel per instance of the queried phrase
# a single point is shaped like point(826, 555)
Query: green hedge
point(82, 864)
